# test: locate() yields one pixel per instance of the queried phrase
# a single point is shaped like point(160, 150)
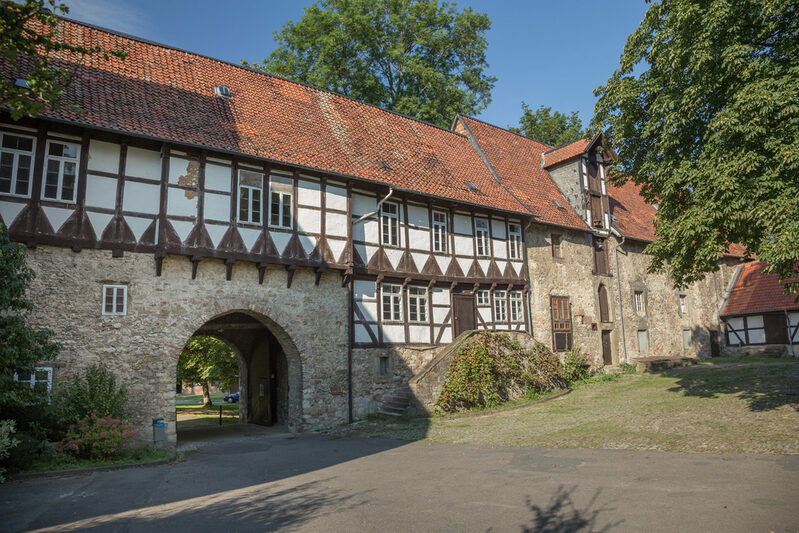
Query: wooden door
point(464, 313)
point(607, 356)
point(715, 346)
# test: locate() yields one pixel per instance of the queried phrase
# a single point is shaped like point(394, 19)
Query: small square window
point(557, 250)
point(115, 299)
point(41, 379)
point(383, 366)
point(683, 304)
point(60, 172)
point(483, 297)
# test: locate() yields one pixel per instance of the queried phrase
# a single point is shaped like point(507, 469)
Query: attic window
point(384, 165)
point(22, 83)
point(221, 90)
point(472, 186)
point(558, 204)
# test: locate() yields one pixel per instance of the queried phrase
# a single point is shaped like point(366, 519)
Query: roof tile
point(757, 292)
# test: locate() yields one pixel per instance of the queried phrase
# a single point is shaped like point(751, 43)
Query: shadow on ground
point(763, 386)
point(562, 515)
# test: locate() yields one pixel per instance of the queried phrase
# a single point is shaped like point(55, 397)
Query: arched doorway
point(269, 369)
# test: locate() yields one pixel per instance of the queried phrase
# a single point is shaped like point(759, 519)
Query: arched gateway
point(270, 369)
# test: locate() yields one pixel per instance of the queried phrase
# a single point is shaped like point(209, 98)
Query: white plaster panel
point(142, 197)
point(336, 198)
point(465, 264)
point(793, 318)
point(501, 265)
point(498, 228)
point(485, 314)
point(420, 239)
point(182, 228)
point(309, 220)
point(754, 321)
point(736, 323)
point(501, 248)
point(101, 191)
point(420, 260)
point(484, 264)
point(366, 231)
point(178, 166)
point(216, 232)
point(446, 338)
point(394, 256)
point(249, 236)
point(757, 336)
point(440, 296)
point(443, 262)
point(103, 156)
point(501, 326)
point(418, 216)
point(99, 222)
point(217, 177)
point(308, 242)
point(462, 224)
point(181, 202)
point(368, 309)
point(419, 334)
point(363, 204)
point(138, 225)
point(337, 247)
point(336, 224)
point(464, 245)
point(280, 239)
point(393, 333)
point(57, 216)
point(440, 314)
point(362, 333)
point(10, 210)
point(217, 206)
point(143, 163)
point(365, 290)
point(309, 193)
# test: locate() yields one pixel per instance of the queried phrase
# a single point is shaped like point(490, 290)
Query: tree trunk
point(206, 394)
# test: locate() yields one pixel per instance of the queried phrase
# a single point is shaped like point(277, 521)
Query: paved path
point(264, 481)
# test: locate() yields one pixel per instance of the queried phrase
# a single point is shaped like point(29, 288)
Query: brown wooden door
point(464, 313)
point(607, 356)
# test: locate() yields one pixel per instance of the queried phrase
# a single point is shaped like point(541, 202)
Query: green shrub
point(94, 392)
point(627, 368)
point(576, 366)
point(97, 437)
point(32, 445)
point(7, 442)
point(491, 369)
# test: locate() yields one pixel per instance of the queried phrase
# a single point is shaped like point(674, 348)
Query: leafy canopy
point(417, 57)
point(704, 114)
point(207, 359)
point(27, 40)
point(554, 129)
point(21, 346)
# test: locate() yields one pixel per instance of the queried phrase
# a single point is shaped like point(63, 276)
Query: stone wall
point(142, 347)
point(567, 178)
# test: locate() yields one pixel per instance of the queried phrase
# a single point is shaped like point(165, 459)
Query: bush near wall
point(491, 369)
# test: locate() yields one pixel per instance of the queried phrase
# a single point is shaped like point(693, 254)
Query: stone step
point(389, 414)
point(392, 409)
point(396, 405)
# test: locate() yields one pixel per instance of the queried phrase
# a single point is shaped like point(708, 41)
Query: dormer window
point(221, 90)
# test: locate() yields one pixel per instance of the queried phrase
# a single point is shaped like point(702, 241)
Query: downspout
point(618, 289)
point(351, 303)
point(790, 332)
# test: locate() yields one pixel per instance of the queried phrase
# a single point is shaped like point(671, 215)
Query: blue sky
point(551, 53)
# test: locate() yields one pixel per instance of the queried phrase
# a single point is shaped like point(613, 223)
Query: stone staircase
point(398, 404)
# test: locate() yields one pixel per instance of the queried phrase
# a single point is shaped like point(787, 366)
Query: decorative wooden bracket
point(346, 276)
point(475, 288)
point(431, 284)
point(405, 282)
point(319, 271)
point(195, 262)
point(159, 264)
point(229, 268)
point(290, 269)
point(261, 272)
point(452, 286)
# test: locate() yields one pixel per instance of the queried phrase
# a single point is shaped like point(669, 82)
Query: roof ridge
point(250, 69)
point(567, 144)
point(505, 130)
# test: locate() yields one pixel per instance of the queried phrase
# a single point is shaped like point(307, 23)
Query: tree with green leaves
point(703, 112)
point(21, 346)
point(418, 57)
point(554, 129)
point(28, 39)
point(205, 359)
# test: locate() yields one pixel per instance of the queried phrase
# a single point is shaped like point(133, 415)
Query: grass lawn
point(751, 409)
point(126, 456)
point(216, 398)
point(190, 416)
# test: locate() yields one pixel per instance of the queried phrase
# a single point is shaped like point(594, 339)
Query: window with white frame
point(500, 306)
point(389, 221)
point(683, 301)
point(16, 164)
point(392, 302)
point(481, 237)
point(41, 379)
point(417, 304)
point(439, 231)
point(483, 297)
point(515, 241)
point(115, 299)
point(516, 309)
point(639, 301)
point(281, 191)
point(251, 186)
point(61, 171)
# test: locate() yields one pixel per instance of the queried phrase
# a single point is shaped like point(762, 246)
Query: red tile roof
point(632, 216)
point(757, 292)
point(565, 152)
point(517, 161)
point(169, 94)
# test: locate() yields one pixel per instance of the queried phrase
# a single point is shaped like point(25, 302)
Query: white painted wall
point(101, 191)
point(142, 163)
point(179, 204)
point(216, 206)
point(141, 197)
point(309, 193)
point(103, 156)
point(217, 177)
point(309, 220)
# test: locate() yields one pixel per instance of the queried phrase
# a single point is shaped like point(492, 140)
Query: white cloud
point(112, 14)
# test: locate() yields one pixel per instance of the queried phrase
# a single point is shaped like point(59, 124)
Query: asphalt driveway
point(262, 481)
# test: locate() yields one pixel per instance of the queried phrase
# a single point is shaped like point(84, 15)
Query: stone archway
point(270, 368)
